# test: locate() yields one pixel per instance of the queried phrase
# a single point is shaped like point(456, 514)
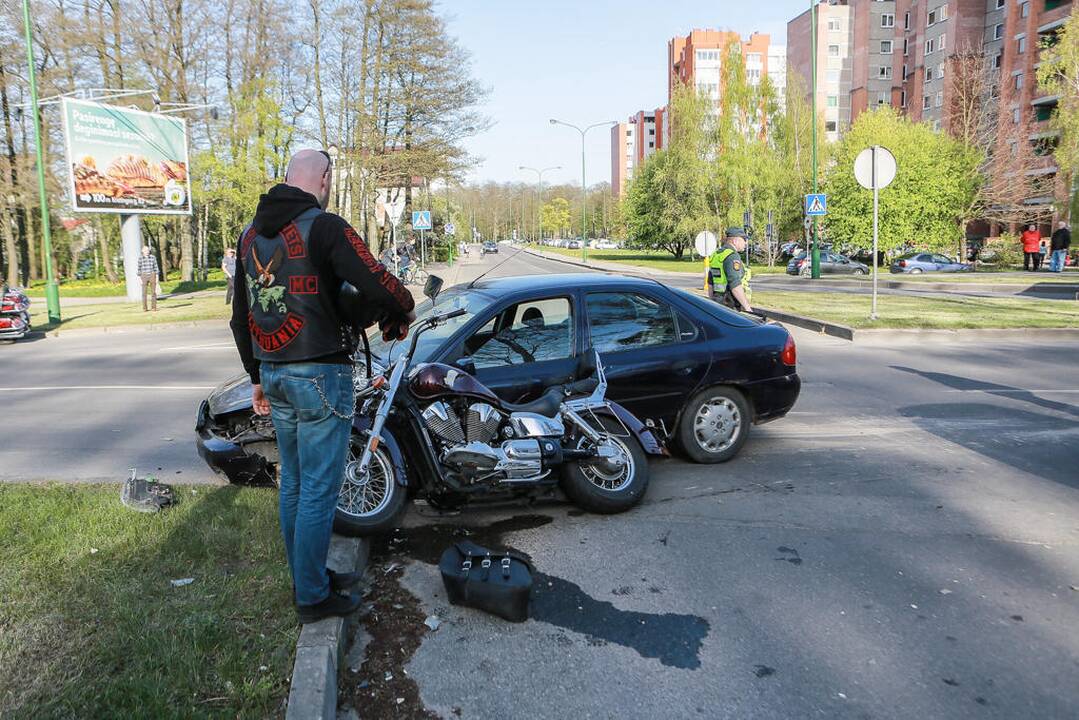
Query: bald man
point(294, 257)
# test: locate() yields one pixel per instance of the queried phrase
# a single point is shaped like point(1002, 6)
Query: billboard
point(125, 161)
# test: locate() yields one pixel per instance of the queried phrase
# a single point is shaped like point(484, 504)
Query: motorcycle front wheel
point(604, 487)
point(368, 505)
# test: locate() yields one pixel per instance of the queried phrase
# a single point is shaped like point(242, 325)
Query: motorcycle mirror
point(433, 287)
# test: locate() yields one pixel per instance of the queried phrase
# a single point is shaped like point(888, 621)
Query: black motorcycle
point(464, 443)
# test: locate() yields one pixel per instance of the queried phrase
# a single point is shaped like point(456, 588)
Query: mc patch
point(303, 285)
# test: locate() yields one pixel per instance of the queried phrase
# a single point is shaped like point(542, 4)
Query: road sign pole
point(876, 199)
point(815, 255)
point(52, 290)
point(423, 251)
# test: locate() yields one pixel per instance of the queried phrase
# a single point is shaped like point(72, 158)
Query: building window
point(1016, 115)
point(833, 51)
point(1024, 9)
point(926, 102)
point(885, 47)
point(629, 133)
point(930, 46)
point(931, 18)
point(833, 24)
point(884, 72)
point(887, 20)
point(882, 98)
point(940, 98)
point(1019, 81)
point(928, 73)
point(753, 58)
point(831, 76)
point(943, 41)
point(829, 125)
point(708, 54)
point(1021, 45)
point(651, 144)
point(940, 71)
point(906, 49)
point(902, 98)
point(904, 71)
point(833, 101)
point(998, 31)
point(651, 131)
point(906, 21)
point(997, 60)
point(1000, 4)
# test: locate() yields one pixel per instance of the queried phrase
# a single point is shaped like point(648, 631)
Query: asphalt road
point(904, 545)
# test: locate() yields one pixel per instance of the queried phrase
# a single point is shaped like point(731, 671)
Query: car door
point(828, 263)
point(943, 263)
point(523, 348)
point(653, 354)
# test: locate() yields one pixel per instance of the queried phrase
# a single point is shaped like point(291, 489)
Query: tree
point(555, 216)
point(1058, 74)
point(933, 187)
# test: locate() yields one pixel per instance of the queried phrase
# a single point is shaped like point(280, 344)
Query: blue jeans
point(312, 406)
point(1056, 263)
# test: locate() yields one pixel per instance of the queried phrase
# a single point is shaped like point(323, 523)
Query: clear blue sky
point(582, 61)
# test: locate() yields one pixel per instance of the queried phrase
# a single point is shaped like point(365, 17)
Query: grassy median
point(903, 311)
point(656, 260)
point(179, 308)
point(99, 287)
point(91, 626)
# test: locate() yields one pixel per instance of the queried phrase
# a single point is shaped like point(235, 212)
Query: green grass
point(656, 260)
point(896, 311)
point(183, 308)
point(92, 287)
point(91, 627)
point(980, 277)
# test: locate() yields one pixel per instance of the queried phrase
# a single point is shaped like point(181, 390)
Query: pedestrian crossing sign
point(816, 204)
point(421, 220)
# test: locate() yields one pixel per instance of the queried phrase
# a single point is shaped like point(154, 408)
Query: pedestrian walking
point(728, 276)
point(148, 277)
point(1031, 240)
point(228, 266)
point(1060, 243)
point(293, 259)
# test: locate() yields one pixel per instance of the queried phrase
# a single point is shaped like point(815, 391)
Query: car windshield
point(472, 301)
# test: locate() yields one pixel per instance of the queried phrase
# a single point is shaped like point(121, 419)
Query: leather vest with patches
point(290, 315)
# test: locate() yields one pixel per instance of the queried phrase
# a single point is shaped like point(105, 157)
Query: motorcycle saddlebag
point(496, 582)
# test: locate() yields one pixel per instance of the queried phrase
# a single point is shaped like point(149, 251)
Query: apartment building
point(835, 61)
point(696, 59)
point(877, 65)
point(623, 151)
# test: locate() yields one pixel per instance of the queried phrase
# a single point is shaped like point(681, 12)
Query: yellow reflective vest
point(719, 279)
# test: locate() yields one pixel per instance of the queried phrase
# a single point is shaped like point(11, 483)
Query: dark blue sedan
point(701, 375)
point(922, 262)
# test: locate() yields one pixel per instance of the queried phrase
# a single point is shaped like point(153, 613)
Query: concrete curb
point(1067, 290)
point(818, 326)
point(321, 646)
point(620, 268)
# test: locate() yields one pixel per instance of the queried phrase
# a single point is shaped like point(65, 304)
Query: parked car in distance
point(606, 244)
point(831, 263)
point(700, 375)
point(574, 245)
point(490, 247)
point(923, 262)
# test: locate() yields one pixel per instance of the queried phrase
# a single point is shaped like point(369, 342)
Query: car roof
point(568, 281)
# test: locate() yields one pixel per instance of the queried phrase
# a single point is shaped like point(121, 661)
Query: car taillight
point(789, 356)
point(902, 263)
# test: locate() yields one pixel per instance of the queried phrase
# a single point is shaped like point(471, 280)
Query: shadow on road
point(958, 382)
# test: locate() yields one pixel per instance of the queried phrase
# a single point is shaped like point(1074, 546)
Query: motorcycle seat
point(546, 404)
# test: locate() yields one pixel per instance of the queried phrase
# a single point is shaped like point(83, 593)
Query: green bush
point(1005, 252)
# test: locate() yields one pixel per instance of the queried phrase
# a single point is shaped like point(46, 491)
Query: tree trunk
point(11, 250)
point(106, 256)
point(187, 259)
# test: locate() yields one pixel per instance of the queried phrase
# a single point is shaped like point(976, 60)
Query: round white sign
point(705, 243)
point(863, 167)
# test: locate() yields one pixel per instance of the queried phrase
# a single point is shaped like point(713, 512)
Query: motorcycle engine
point(471, 449)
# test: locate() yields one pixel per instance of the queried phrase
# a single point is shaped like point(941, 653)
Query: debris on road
point(182, 581)
point(432, 622)
point(146, 494)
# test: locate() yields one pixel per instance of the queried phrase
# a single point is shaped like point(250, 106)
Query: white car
point(606, 245)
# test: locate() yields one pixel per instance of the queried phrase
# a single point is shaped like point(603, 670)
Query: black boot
point(343, 581)
point(336, 605)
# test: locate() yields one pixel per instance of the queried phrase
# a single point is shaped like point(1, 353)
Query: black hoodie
point(336, 250)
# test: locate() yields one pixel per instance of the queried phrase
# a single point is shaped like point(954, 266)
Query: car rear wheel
point(916, 271)
point(714, 425)
point(368, 504)
point(860, 271)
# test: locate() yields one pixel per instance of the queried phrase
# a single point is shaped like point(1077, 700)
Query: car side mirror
point(432, 287)
point(466, 364)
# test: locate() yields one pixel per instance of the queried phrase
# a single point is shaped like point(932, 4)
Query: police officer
point(728, 276)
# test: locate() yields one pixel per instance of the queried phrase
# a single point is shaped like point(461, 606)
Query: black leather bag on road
point(496, 582)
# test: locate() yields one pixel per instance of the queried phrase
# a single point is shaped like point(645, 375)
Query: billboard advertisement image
point(125, 161)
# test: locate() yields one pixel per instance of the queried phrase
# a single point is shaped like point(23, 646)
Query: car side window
point(941, 259)
point(528, 332)
point(624, 321)
point(923, 258)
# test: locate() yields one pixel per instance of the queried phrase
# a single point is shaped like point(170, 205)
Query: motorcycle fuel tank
point(435, 380)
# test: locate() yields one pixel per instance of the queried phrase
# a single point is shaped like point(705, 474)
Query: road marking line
point(107, 387)
point(213, 346)
point(1014, 390)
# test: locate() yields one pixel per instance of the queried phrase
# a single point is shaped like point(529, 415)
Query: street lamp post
point(52, 291)
point(539, 181)
point(584, 187)
point(815, 252)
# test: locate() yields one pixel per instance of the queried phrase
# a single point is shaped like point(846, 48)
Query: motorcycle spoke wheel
point(366, 496)
point(605, 475)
